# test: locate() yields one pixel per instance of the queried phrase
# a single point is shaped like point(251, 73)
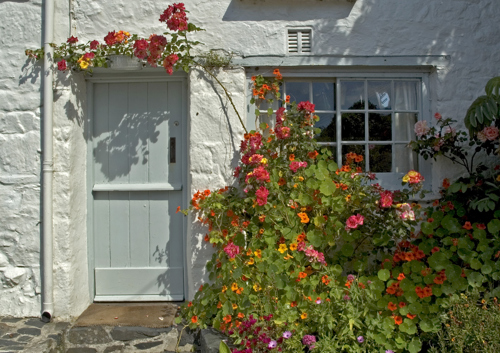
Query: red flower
point(72, 40)
point(110, 38)
point(398, 320)
point(94, 44)
point(467, 226)
point(61, 65)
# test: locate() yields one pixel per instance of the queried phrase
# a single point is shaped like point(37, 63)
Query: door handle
point(172, 150)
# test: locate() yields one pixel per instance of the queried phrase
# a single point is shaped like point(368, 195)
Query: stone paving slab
point(31, 335)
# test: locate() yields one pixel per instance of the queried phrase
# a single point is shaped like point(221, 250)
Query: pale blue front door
point(138, 171)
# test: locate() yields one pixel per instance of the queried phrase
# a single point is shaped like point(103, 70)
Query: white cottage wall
point(463, 30)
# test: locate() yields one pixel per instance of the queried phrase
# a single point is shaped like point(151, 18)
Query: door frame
point(146, 75)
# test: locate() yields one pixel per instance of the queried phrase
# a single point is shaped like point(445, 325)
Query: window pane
point(358, 149)
point(404, 158)
point(380, 158)
point(379, 127)
point(323, 95)
point(404, 126)
point(327, 124)
point(353, 126)
point(352, 94)
point(298, 91)
point(379, 95)
point(406, 95)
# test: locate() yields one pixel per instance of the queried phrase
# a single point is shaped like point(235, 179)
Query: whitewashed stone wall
point(465, 30)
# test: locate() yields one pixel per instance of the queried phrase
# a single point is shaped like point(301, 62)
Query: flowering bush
point(287, 236)
point(170, 49)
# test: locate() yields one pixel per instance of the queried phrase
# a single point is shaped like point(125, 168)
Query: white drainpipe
point(48, 165)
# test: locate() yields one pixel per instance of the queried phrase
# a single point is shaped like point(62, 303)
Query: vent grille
point(299, 41)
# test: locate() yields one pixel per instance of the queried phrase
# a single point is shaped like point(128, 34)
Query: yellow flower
point(301, 178)
point(293, 246)
point(498, 177)
point(234, 287)
point(257, 287)
point(348, 198)
point(224, 288)
point(282, 248)
point(251, 261)
point(295, 185)
point(303, 316)
point(263, 161)
point(288, 257)
point(235, 306)
point(258, 253)
point(406, 178)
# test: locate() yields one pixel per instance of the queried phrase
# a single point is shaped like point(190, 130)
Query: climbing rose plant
point(302, 246)
point(170, 49)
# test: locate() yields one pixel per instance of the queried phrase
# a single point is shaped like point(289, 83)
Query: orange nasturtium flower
point(219, 305)
point(302, 275)
point(194, 319)
point(303, 217)
point(287, 99)
point(293, 246)
point(241, 315)
point(234, 286)
point(411, 316)
point(313, 154)
point(391, 306)
point(251, 261)
point(291, 157)
point(398, 320)
point(224, 288)
point(303, 316)
point(467, 226)
point(227, 319)
point(258, 253)
point(281, 181)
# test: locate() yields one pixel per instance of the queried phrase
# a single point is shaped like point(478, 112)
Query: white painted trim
point(136, 298)
point(137, 187)
point(304, 60)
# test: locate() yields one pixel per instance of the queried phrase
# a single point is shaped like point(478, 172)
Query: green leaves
point(384, 275)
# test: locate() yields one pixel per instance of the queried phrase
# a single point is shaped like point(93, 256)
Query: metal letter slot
point(172, 150)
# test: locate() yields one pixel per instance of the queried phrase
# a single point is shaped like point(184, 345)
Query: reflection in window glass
point(379, 127)
point(327, 124)
point(352, 94)
point(353, 126)
point(298, 91)
point(380, 158)
point(379, 95)
point(323, 95)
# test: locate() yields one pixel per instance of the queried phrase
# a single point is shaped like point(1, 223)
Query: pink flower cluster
point(295, 165)
point(262, 194)
point(386, 199)
point(307, 106)
point(282, 132)
point(232, 250)
point(175, 17)
point(354, 221)
point(260, 174)
point(489, 133)
point(421, 128)
point(280, 116)
point(168, 63)
point(314, 255)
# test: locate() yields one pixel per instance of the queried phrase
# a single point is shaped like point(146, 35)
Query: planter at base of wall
point(124, 62)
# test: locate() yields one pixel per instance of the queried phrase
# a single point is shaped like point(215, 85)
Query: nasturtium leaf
point(312, 183)
point(486, 269)
point(494, 226)
point(223, 348)
point(447, 288)
point(460, 284)
point(426, 325)
point(415, 308)
point(411, 296)
point(427, 228)
point(475, 279)
point(438, 261)
point(384, 274)
point(406, 285)
point(453, 272)
point(408, 326)
point(437, 216)
point(327, 187)
point(415, 345)
point(437, 291)
point(348, 250)
point(476, 264)
point(450, 223)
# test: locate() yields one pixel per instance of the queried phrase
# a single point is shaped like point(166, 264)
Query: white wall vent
point(299, 41)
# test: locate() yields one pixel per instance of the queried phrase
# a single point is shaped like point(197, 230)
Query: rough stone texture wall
point(19, 160)
point(463, 29)
point(214, 138)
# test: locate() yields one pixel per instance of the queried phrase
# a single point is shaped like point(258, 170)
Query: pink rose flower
point(421, 128)
point(262, 193)
point(61, 65)
point(489, 133)
point(295, 165)
point(232, 250)
point(354, 221)
point(386, 199)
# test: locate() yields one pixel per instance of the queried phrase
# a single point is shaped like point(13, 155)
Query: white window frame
point(388, 180)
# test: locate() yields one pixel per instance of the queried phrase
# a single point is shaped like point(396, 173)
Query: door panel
point(138, 238)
